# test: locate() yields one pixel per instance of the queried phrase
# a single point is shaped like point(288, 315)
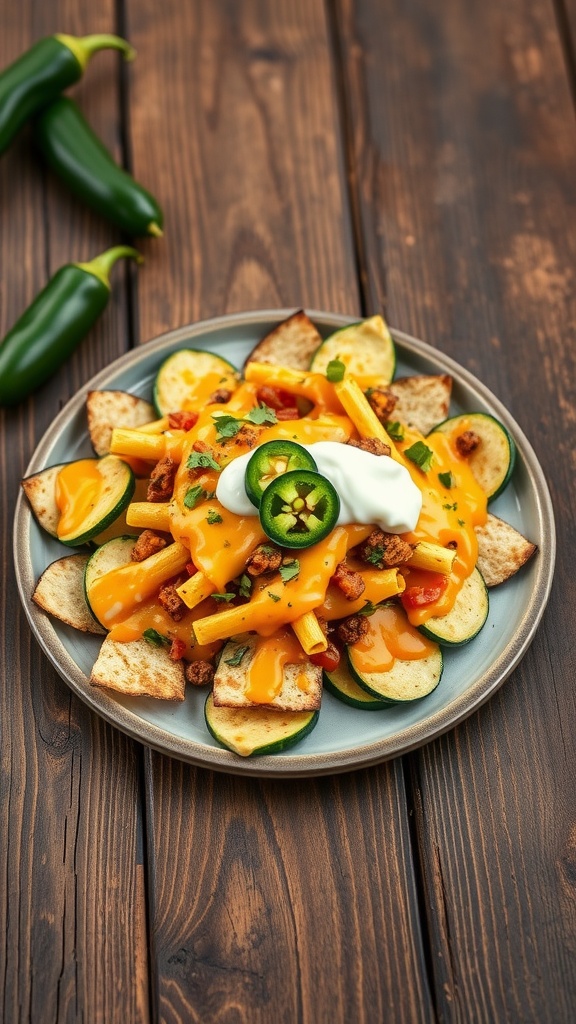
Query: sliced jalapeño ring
point(299, 509)
point(271, 460)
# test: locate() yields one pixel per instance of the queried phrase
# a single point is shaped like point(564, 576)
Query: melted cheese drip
point(116, 594)
point(151, 615)
point(79, 486)
point(266, 671)
point(390, 636)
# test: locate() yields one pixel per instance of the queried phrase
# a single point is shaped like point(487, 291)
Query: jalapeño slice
point(271, 460)
point(299, 508)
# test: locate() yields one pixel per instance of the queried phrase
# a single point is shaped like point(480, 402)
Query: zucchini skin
point(74, 151)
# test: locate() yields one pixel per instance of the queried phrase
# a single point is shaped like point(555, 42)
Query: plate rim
point(288, 765)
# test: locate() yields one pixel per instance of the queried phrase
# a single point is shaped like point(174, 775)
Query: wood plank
point(463, 133)
point(234, 126)
point(72, 906)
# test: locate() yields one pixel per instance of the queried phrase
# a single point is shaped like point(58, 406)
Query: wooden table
point(413, 158)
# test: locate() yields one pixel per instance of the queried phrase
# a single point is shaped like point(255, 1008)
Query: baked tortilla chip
point(292, 343)
point(108, 409)
point(231, 680)
point(138, 669)
point(502, 551)
point(60, 592)
point(422, 401)
point(40, 490)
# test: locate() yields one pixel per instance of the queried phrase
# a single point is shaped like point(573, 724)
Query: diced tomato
point(177, 649)
point(290, 413)
point(275, 398)
point(425, 593)
point(328, 659)
point(191, 568)
point(182, 420)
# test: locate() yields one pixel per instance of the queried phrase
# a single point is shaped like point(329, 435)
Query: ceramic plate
point(345, 737)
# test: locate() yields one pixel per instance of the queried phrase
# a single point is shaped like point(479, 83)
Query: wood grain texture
point(72, 905)
point(269, 901)
point(463, 136)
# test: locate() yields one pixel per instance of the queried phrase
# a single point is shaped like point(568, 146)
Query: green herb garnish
point(226, 425)
point(201, 460)
point(368, 609)
point(213, 517)
point(421, 455)
point(245, 585)
point(195, 494)
point(273, 597)
point(236, 658)
point(335, 370)
point(262, 414)
point(395, 430)
point(156, 638)
point(226, 596)
point(446, 479)
point(289, 571)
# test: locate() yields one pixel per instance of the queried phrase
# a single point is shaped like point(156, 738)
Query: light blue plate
point(345, 737)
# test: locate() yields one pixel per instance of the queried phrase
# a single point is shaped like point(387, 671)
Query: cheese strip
point(148, 515)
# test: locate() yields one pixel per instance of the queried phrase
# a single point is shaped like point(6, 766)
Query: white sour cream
point(372, 488)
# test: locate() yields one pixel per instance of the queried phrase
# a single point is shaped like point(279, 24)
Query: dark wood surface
point(411, 158)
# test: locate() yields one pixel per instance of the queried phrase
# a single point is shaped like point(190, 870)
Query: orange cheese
point(151, 615)
point(265, 674)
point(390, 636)
point(79, 486)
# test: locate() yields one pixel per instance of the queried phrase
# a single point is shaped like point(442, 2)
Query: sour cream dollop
point(372, 488)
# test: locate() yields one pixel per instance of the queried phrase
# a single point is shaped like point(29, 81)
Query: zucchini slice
point(365, 348)
point(341, 685)
point(111, 555)
point(115, 494)
point(405, 681)
point(493, 460)
point(251, 731)
point(187, 379)
point(465, 619)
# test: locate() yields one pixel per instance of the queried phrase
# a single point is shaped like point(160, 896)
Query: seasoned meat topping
point(199, 673)
point(148, 543)
point(221, 396)
point(348, 581)
point(162, 480)
point(371, 444)
point(467, 442)
point(352, 629)
point(171, 602)
point(177, 649)
point(264, 558)
point(382, 402)
point(384, 550)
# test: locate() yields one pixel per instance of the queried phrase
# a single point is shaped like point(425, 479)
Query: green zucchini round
point(404, 682)
point(366, 349)
point(255, 731)
point(118, 494)
point(111, 555)
point(466, 618)
point(341, 685)
point(493, 461)
point(171, 387)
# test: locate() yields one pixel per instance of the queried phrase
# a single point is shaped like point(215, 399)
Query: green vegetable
point(270, 461)
point(118, 479)
point(71, 148)
point(466, 617)
point(253, 731)
point(40, 75)
point(155, 638)
point(335, 371)
point(492, 462)
point(420, 454)
point(55, 324)
point(299, 509)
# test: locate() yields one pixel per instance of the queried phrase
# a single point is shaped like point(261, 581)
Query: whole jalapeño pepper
point(40, 74)
point(72, 149)
point(55, 323)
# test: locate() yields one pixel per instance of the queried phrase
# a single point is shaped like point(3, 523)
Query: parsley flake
point(262, 414)
point(213, 517)
point(335, 371)
point(236, 658)
point(451, 508)
point(226, 596)
point(421, 455)
point(201, 460)
point(446, 479)
point(290, 570)
point(395, 430)
point(245, 585)
point(368, 609)
point(226, 425)
point(195, 494)
point(156, 638)
point(273, 597)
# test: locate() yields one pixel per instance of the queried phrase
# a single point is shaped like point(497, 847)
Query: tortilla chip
point(231, 681)
point(109, 409)
point(60, 592)
point(40, 489)
point(502, 550)
point(138, 669)
point(423, 401)
point(292, 343)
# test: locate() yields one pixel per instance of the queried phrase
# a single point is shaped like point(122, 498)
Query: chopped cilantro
point(273, 597)
point(226, 596)
point(262, 414)
point(201, 460)
point(446, 479)
point(368, 608)
point(195, 494)
point(335, 370)
point(156, 638)
point(461, 522)
point(421, 455)
point(374, 556)
point(245, 585)
point(452, 507)
point(213, 517)
point(236, 658)
point(290, 570)
point(226, 425)
point(396, 430)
